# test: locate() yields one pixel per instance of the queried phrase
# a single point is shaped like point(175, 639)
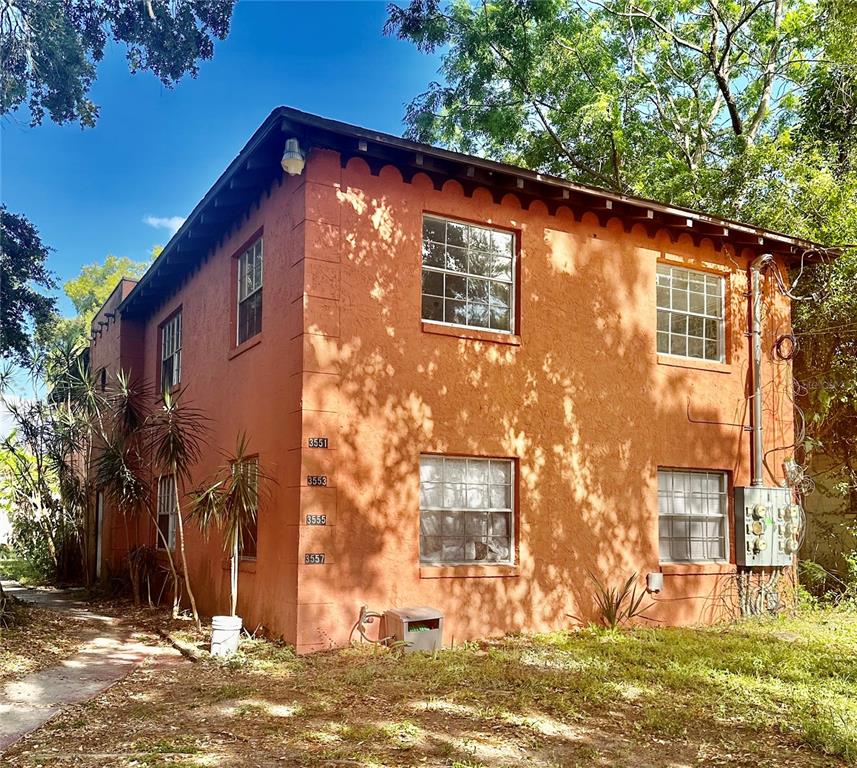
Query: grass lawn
point(770, 693)
point(13, 567)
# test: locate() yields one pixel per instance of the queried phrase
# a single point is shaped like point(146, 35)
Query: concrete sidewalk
point(110, 653)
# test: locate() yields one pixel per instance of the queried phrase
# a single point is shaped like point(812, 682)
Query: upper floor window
point(690, 313)
point(250, 292)
point(171, 352)
point(167, 510)
point(468, 275)
point(250, 529)
point(466, 512)
point(692, 510)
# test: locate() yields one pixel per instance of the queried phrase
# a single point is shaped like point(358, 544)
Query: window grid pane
point(692, 516)
point(167, 510)
point(467, 275)
point(250, 531)
point(171, 352)
point(250, 292)
point(690, 313)
point(466, 510)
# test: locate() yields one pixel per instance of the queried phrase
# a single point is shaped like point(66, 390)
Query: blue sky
point(156, 151)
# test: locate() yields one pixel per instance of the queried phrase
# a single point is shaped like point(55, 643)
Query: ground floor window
point(466, 510)
point(250, 530)
point(167, 510)
point(692, 515)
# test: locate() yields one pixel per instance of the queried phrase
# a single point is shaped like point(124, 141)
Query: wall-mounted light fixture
point(294, 160)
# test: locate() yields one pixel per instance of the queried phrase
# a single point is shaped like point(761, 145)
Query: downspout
point(756, 267)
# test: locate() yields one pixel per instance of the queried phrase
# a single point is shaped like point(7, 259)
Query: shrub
point(618, 606)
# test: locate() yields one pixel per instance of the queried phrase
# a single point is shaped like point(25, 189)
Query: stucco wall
point(579, 398)
point(237, 390)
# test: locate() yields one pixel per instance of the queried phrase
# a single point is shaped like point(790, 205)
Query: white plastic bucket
point(225, 633)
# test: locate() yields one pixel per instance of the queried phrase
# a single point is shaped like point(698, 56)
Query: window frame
point(512, 512)
point(722, 320)
point(173, 514)
point(514, 320)
point(257, 239)
point(725, 497)
point(254, 459)
point(177, 315)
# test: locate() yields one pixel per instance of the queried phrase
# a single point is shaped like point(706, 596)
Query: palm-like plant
point(176, 441)
point(122, 468)
point(230, 502)
point(77, 407)
point(619, 605)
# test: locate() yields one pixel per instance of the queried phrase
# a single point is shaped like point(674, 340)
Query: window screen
point(690, 313)
point(250, 292)
point(171, 352)
point(468, 275)
point(250, 530)
point(692, 514)
point(166, 512)
point(466, 513)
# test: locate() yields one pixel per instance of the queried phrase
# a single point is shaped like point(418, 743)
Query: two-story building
point(471, 385)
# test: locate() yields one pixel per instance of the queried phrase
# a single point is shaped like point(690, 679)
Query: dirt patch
point(40, 638)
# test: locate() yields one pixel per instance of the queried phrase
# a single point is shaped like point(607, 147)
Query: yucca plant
point(143, 561)
point(619, 605)
point(177, 437)
point(123, 467)
point(230, 502)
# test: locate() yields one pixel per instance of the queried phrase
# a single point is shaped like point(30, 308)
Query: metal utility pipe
point(756, 267)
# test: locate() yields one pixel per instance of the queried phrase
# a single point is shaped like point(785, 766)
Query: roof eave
point(256, 167)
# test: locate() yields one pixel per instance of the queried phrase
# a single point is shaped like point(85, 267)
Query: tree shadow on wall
point(582, 404)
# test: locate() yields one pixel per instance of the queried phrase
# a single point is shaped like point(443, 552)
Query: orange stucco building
point(470, 385)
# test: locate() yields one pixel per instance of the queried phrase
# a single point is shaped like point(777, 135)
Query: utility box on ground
point(767, 526)
point(420, 629)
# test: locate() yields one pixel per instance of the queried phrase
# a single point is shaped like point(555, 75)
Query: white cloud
point(171, 223)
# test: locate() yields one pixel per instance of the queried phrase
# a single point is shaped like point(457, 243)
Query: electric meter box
point(767, 526)
point(420, 629)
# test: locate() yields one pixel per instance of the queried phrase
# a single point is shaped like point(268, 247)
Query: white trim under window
point(171, 352)
point(693, 516)
point(167, 512)
point(467, 511)
point(249, 312)
point(691, 311)
point(468, 275)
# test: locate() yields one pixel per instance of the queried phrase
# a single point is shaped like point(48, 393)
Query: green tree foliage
point(634, 96)
point(745, 108)
point(827, 372)
point(42, 470)
point(50, 48)
point(23, 269)
point(90, 289)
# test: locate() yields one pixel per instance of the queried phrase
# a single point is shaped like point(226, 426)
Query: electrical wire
point(819, 331)
point(786, 346)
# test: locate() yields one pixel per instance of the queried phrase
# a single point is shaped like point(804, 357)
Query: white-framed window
point(167, 511)
point(468, 275)
point(466, 510)
point(693, 508)
point(690, 313)
point(171, 352)
point(250, 292)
